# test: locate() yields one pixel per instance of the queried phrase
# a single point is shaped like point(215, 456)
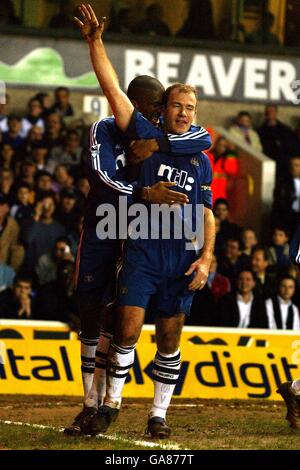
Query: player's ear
point(135, 104)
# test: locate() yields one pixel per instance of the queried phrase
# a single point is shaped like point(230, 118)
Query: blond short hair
point(182, 88)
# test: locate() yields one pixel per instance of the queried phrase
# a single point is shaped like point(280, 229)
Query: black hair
point(264, 251)
point(22, 277)
point(23, 185)
point(293, 157)
point(63, 240)
point(43, 173)
point(62, 88)
point(13, 117)
point(141, 84)
point(286, 276)
point(247, 270)
point(234, 239)
point(244, 113)
point(272, 105)
point(221, 201)
point(151, 8)
point(34, 98)
point(282, 228)
point(40, 144)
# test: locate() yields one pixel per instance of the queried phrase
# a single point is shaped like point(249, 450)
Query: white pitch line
point(190, 405)
point(112, 437)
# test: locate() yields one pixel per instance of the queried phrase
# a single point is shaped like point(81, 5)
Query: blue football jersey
point(107, 164)
point(191, 172)
point(194, 141)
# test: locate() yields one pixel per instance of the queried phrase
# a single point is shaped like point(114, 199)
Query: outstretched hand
point(91, 29)
point(200, 268)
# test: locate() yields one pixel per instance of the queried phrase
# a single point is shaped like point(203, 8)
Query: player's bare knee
point(127, 336)
point(126, 340)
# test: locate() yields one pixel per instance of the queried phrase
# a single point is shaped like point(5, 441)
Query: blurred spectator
point(23, 209)
point(11, 253)
point(243, 131)
point(45, 102)
point(7, 275)
point(6, 184)
point(13, 135)
point(199, 23)
point(62, 105)
point(75, 234)
point(67, 210)
point(63, 178)
point(27, 174)
point(153, 25)
point(224, 166)
point(225, 29)
point(4, 114)
point(39, 155)
point(249, 241)
point(294, 272)
point(263, 34)
point(82, 191)
point(83, 187)
point(7, 14)
point(54, 130)
point(123, 22)
point(220, 242)
point(34, 135)
point(203, 309)
point(42, 232)
point(46, 268)
point(286, 206)
point(282, 313)
point(18, 302)
point(68, 154)
point(33, 117)
point(57, 300)
point(278, 252)
point(228, 229)
point(266, 282)
point(64, 19)
point(44, 184)
point(7, 157)
point(278, 140)
point(244, 309)
point(233, 261)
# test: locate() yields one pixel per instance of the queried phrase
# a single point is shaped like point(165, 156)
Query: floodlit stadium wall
point(44, 358)
point(231, 78)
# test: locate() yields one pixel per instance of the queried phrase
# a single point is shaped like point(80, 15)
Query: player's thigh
point(138, 278)
point(96, 269)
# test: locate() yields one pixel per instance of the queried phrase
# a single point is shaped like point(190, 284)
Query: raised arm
point(147, 139)
point(92, 30)
point(108, 186)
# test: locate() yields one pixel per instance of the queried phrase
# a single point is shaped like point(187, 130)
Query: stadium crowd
point(43, 188)
point(131, 18)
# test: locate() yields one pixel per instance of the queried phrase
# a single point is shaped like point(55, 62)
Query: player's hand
point(68, 257)
point(201, 270)
point(25, 306)
point(140, 150)
point(38, 210)
point(160, 193)
point(91, 29)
